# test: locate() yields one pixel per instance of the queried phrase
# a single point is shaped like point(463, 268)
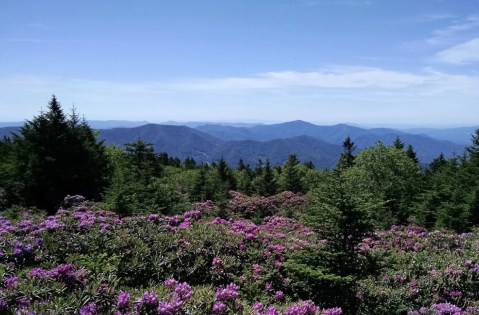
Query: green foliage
point(343, 219)
point(389, 174)
point(208, 186)
point(138, 185)
point(291, 178)
point(54, 156)
point(266, 184)
point(346, 159)
point(342, 214)
point(313, 279)
point(420, 269)
point(449, 200)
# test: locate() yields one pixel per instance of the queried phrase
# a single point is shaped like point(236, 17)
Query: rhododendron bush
point(88, 261)
point(85, 261)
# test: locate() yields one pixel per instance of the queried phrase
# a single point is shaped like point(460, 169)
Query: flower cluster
point(65, 273)
point(264, 206)
point(226, 299)
point(34, 250)
point(445, 309)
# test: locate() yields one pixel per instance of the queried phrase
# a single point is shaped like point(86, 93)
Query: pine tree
point(473, 149)
point(412, 154)
point(437, 164)
point(266, 184)
point(58, 156)
point(189, 163)
point(398, 144)
point(241, 165)
point(202, 188)
point(346, 159)
point(142, 162)
point(226, 176)
point(291, 177)
point(8, 185)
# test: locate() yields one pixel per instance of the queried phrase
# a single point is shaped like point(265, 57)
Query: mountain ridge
point(320, 144)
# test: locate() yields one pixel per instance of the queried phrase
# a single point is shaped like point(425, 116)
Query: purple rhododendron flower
point(279, 295)
point(332, 311)
point(38, 273)
point(257, 306)
point(170, 283)
point(165, 308)
point(183, 291)
point(11, 282)
point(123, 301)
point(219, 308)
point(217, 262)
point(149, 300)
point(446, 309)
point(89, 309)
point(271, 310)
point(3, 305)
point(302, 308)
point(230, 292)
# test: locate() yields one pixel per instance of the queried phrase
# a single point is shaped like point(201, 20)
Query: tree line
point(56, 154)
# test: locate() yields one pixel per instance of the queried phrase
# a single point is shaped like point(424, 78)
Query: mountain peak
point(298, 122)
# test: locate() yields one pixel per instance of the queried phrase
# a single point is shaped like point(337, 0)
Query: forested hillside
point(94, 229)
point(319, 144)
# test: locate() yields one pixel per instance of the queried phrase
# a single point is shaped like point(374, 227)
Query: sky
point(374, 62)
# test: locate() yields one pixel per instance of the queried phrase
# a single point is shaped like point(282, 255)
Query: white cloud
point(335, 94)
point(464, 53)
point(336, 77)
point(451, 32)
point(437, 17)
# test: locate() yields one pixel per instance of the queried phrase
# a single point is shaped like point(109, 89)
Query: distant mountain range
point(461, 135)
point(96, 124)
point(321, 145)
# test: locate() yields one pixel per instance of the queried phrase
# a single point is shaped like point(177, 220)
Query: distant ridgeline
point(319, 144)
point(155, 168)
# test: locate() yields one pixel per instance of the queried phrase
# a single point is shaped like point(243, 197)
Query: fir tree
point(398, 144)
point(267, 184)
point(58, 156)
point(346, 159)
point(412, 154)
point(291, 177)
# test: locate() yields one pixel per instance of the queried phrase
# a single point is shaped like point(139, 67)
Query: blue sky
point(379, 62)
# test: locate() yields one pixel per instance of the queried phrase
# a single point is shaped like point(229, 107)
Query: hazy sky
point(324, 61)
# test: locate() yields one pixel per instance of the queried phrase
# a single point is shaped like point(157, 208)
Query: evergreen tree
point(58, 156)
point(291, 177)
point(346, 159)
point(142, 161)
point(242, 166)
point(139, 184)
point(412, 154)
point(245, 182)
point(259, 168)
point(437, 164)
point(448, 200)
point(343, 218)
point(473, 149)
point(202, 188)
point(226, 175)
point(266, 184)
point(163, 158)
point(189, 163)
point(398, 144)
point(8, 185)
point(388, 173)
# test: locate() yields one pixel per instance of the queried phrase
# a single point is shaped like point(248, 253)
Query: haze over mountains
point(322, 145)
